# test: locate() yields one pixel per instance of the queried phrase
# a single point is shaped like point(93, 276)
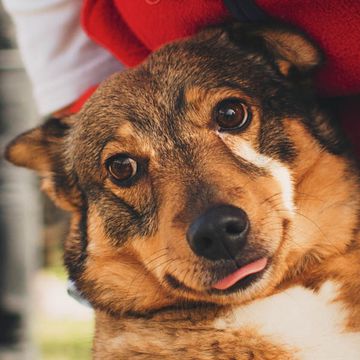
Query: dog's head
point(207, 174)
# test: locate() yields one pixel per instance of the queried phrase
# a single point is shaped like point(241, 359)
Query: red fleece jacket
point(133, 29)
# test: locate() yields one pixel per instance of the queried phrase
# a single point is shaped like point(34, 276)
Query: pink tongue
point(239, 274)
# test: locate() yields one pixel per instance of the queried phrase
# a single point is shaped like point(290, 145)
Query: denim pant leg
point(20, 214)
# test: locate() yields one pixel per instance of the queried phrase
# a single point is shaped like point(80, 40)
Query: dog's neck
point(152, 332)
point(170, 334)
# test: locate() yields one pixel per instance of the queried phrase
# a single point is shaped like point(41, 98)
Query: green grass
point(65, 339)
point(57, 270)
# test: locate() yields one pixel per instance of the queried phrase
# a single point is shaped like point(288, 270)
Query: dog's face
point(200, 176)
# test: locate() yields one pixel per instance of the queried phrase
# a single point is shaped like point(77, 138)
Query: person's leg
point(19, 208)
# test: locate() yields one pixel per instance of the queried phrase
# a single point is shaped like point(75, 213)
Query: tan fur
point(119, 275)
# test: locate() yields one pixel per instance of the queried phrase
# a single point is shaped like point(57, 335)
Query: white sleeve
point(61, 60)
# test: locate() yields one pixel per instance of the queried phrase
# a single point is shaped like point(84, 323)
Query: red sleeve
point(105, 25)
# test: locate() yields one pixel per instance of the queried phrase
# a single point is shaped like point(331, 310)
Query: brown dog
point(215, 210)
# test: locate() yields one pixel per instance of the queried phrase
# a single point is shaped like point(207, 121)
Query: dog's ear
point(44, 149)
point(36, 148)
point(289, 48)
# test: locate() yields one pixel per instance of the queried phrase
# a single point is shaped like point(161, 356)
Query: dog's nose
point(220, 233)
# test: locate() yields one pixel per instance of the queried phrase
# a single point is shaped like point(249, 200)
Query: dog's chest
point(313, 323)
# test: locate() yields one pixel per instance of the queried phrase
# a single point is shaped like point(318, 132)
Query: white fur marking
point(276, 169)
point(311, 322)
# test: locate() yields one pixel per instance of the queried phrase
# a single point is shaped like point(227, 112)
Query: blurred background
point(38, 319)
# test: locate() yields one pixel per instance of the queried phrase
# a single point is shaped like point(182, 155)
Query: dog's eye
point(121, 168)
point(232, 114)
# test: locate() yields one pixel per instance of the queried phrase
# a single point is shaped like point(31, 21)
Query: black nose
point(219, 233)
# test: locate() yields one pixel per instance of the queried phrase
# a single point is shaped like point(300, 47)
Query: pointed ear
point(35, 148)
point(289, 48)
point(43, 149)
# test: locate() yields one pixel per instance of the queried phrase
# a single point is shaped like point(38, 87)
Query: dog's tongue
point(241, 273)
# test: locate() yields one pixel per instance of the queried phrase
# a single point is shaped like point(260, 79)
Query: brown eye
point(122, 168)
point(232, 114)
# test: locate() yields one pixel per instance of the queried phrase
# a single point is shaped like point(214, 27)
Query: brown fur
point(126, 242)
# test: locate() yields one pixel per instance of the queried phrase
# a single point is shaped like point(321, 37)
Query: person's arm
point(60, 59)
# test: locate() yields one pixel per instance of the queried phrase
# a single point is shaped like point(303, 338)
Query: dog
point(215, 205)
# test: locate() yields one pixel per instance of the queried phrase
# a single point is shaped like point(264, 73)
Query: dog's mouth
point(241, 278)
